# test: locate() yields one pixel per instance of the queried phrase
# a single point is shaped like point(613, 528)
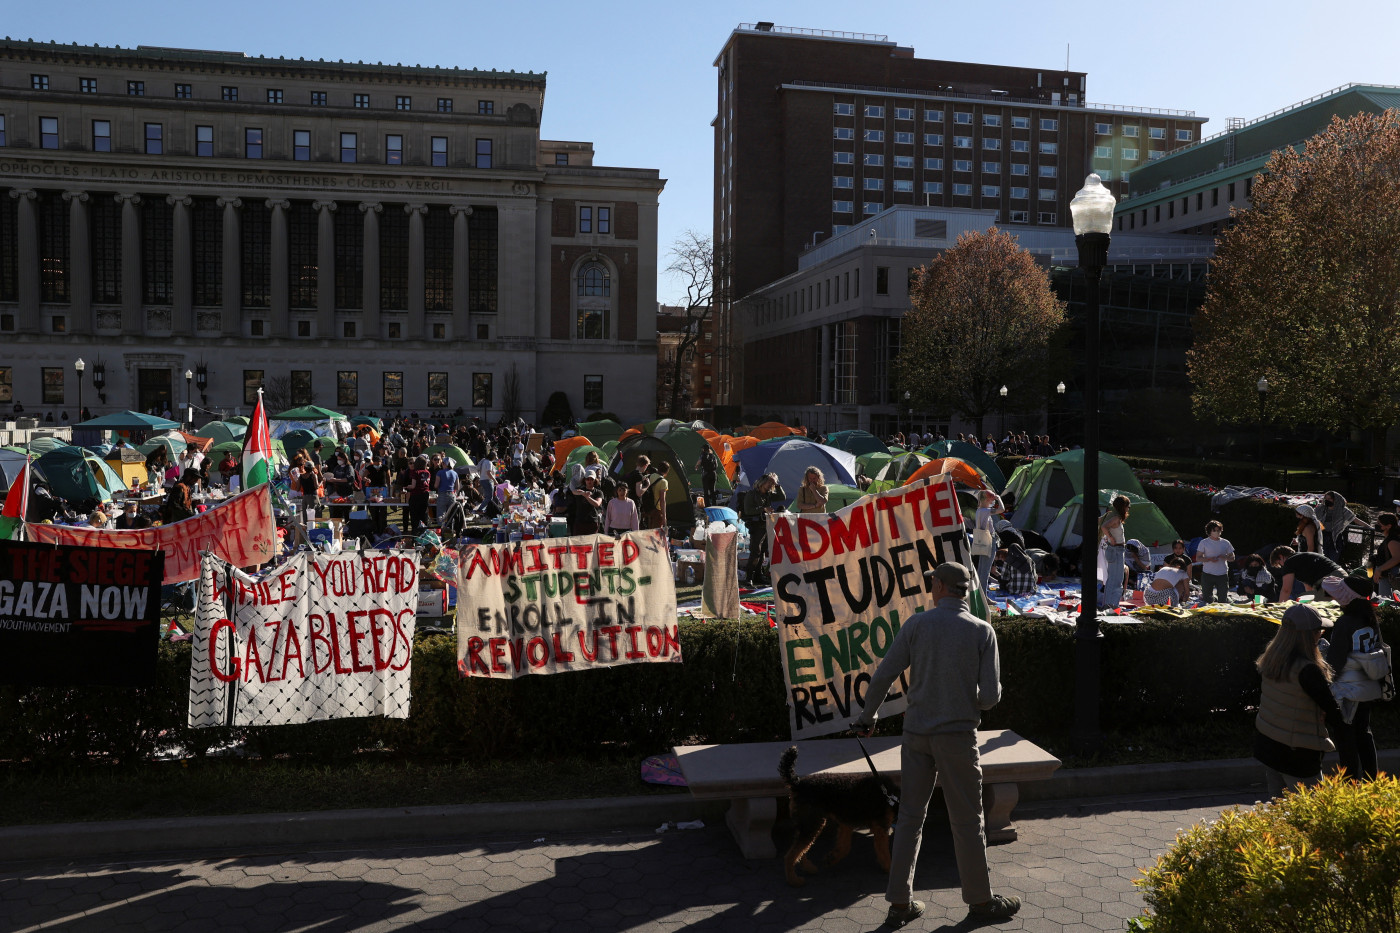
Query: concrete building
point(1193, 189)
point(697, 367)
point(818, 131)
point(377, 237)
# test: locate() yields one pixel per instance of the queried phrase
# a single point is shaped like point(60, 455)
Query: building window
point(904, 113)
point(204, 140)
point(1103, 152)
point(302, 393)
point(347, 330)
point(101, 136)
point(157, 251)
point(348, 145)
point(53, 384)
point(87, 85)
point(1021, 194)
point(933, 165)
point(303, 328)
point(1020, 123)
point(274, 95)
point(991, 119)
point(256, 224)
point(393, 260)
point(594, 305)
point(48, 132)
point(53, 221)
point(904, 184)
point(874, 184)
point(439, 331)
point(58, 324)
point(252, 143)
point(991, 168)
point(1045, 194)
point(933, 187)
point(874, 136)
point(393, 150)
point(403, 102)
point(1154, 155)
point(1130, 155)
point(39, 82)
point(7, 387)
point(933, 139)
point(933, 116)
point(964, 191)
point(444, 105)
point(593, 392)
point(1020, 168)
point(437, 390)
point(349, 257)
point(1019, 217)
point(903, 161)
point(1184, 136)
point(301, 145)
point(347, 387)
point(1046, 217)
point(439, 151)
point(1020, 145)
point(585, 220)
point(252, 381)
point(1049, 124)
point(207, 246)
point(882, 280)
point(991, 191)
point(136, 88)
point(486, 107)
point(483, 153)
point(1231, 193)
point(1130, 131)
point(362, 101)
point(561, 158)
point(605, 220)
point(154, 133)
point(1047, 171)
point(843, 110)
point(1157, 132)
point(962, 142)
point(842, 207)
point(1049, 148)
point(393, 390)
point(255, 327)
point(302, 255)
point(991, 144)
point(228, 93)
point(904, 139)
point(483, 260)
point(1103, 129)
point(105, 219)
point(962, 165)
point(843, 132)
point(183, 91)
point(318, 98)
point(594, 281)
point(874, 112)
point(843, 158)
point(873, 158)
point(962, 117)
point(873, 207)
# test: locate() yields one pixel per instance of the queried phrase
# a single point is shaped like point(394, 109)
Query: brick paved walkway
point(1073, 865)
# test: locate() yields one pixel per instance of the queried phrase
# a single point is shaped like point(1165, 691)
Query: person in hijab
point(1336, 518)
point(1308, 535)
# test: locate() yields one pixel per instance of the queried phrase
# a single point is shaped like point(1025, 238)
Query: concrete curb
point(125, 838)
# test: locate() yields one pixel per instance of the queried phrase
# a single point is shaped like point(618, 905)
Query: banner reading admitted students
point(842, 585)
point(565, 604)
point(319, 637)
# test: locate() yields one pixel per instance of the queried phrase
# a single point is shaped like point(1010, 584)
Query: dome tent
point(857, 442)
point(1040, 488)
point(897, 470)
point(789, 459)
point(679, 511)
point(1145, 521)
point(77, 475)
point(973, 455)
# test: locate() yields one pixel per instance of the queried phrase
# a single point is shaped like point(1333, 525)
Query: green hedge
point(728, 690)
point(1237, 474)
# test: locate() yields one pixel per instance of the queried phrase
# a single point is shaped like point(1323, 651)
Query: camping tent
point(11, 462)
point(370, 420)
point(679, 511)
point(872, 463)
point(457, 455)
point(221, 431)
point(897, 471)
point(301, 438)
point(838, 496)
point(857, 442)
point(600, 431)
point(692, 449)
point(961, 471)
point(1042, 487)
point(43, 445)
point(1145, 521)
point(774, 429)
point(972, 454)
point(789, 459)
point(173, 443)
point(567, 445)
point(77, 475)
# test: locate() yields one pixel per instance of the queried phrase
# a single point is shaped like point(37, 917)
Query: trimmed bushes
point(729, 689)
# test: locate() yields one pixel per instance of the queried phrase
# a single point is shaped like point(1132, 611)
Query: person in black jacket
point(586, 507)
point(758, 502)
point(1356, 631)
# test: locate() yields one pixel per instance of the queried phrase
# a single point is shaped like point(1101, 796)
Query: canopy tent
point(679, 510)
point(567, 445)
point(897, 470)
point(1042, 487)
point(961, 471)
point(838, 496)
point(370, 420)
point(457, 455)
point(222, 431)
point(601, 431)
point(790, 460)
point(1145, 521)
point(857, 442)
point(308, 413)
point(970, 453)
point(871, 464)
point(129, 421)
point(77, 475)
point(774, 429)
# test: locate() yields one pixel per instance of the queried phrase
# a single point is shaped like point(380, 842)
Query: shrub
point(557, 410)
point(1324, 858)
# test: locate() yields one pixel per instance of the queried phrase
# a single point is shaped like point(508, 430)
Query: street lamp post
point(1263, 388)
point(99, 380)
point(1092, 214)
point(1060, 391)
point(78, 367)
point(189, 396)
point(909, 410)
point(1002, 392)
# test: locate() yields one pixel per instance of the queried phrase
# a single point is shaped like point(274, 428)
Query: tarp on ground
point(601, 431)
point(1042, 487)
point(838, 496)
point(972, 454)
point(1145, 521)
point(222, 431)
point(679, 510)
point(790, 459)
point(857, 442)
point(77, 474)
point(129, 421)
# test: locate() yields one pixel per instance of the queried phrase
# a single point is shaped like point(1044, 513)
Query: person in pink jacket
point(621, 514)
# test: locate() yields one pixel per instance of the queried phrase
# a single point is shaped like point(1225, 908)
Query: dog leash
point(891, 798)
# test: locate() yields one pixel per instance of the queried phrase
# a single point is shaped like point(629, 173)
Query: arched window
point(593, 304)
point(594, 281)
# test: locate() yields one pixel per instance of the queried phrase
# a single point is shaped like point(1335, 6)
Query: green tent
point(897, 470)
point(1041, 488)
point(301, 438)
point(679, 511)
point(856, 442)
point(222, 431)
point(239, 419)
point(308, 413)
point(838, 495)
point(456, 454)
point(972, 454)
point(1145, 521)
point(692, 449)
point(872, 463)
point(174, 446)
point(600, 431)
point(578, 454)
point(78, 475)
point(43, 445)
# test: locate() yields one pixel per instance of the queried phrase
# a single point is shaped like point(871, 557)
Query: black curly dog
point(851, 800)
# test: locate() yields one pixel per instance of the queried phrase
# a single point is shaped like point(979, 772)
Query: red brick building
point(697, 362)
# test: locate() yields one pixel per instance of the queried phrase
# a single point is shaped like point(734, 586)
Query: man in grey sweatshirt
point(954, 674)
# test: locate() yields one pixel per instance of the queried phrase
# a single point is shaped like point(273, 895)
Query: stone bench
point(747, 776)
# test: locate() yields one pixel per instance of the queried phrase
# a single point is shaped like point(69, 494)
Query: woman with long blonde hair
point(1296, 707)
point(813, 495)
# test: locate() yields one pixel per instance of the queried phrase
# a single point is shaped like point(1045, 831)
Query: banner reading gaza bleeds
point(240, 530)
point(843, 583)
point(565, 604)
point(316, 638)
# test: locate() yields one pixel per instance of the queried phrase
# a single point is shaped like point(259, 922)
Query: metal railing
point(813, 33)
point(985, 95)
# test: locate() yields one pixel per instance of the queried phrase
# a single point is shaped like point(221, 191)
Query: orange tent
point(566, 446)
point(203, 443)
point(774, 429)
point(962, 472)
point(723, 446)
point(634, 431)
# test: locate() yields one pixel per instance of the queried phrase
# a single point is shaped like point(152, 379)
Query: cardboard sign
point(842, 585)
point(319, 637)
point(78, 615)
point(240, 530)
point(565, 604)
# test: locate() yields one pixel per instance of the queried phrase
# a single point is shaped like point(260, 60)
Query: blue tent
point(973, 455)
point(789, 459)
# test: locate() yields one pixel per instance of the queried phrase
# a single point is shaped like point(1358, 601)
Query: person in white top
point(1214, 554)
point(1112, 538)
point(487, 469)
point(1171, 586)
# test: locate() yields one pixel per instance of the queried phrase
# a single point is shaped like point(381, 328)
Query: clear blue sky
point(636, 78)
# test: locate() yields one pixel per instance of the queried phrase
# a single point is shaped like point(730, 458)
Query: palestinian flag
point(16, 505)
point(257, 449)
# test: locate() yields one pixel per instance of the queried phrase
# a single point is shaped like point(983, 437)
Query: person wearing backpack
point(656, 498)
point(1359, 662)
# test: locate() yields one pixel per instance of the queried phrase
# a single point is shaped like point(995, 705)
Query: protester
point(1112, 540)
point(1358, 662)
point(179, 503)
point(758, 502)
point(228, 467)
point(1018, 575)
point(989, 506)
point(1296, 708)
point(1336, 518)
point(445, 484)
point(1171, 584)
point(1308, 536)
point(812, 495)
point(654, 514)
point(1385, 560)
point(954, 675)
point(131, 519)
point(1298, 573)
point(1214, 554)
point(621, 513)
point(586, 507)
point(1255, 579)
point(638, 480)
point(309, 484)
point(419, 492)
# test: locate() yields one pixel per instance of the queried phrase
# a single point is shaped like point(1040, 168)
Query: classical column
point(28, 222)
point(461, 271)
point(416, 260)
point(371, 210)
point(79, 263)
point(231, 315)
point(133, 319)
point(182, 313)
point(325, 268)
point(544, 219)
point(278, 295)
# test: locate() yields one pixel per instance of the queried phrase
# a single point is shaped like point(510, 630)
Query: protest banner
point(842, 585)
point(78, 615)
point(318, 637)
point(565, 604)
point(241, 530)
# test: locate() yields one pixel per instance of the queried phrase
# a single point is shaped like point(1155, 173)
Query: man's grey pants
point(953, 757)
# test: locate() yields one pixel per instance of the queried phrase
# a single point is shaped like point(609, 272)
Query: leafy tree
point(704, 272)
point(557, 410)
point(1305, 287)
point(981, 315)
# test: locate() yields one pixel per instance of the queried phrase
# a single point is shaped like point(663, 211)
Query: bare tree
point(277, 394)
point(705, 272)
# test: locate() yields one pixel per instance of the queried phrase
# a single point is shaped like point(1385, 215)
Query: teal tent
point(77, 475)
point(972, 454)
point(856, 442)
point(222, 431)
point(129, 421)
point(308, 413)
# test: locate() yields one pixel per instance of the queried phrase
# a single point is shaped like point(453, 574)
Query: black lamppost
point(78, 367)
point(909, 410)
point(1060, 391)
point(99, 380)
point(1002, 392)
point(1092, 214)
point(201, 382)
point(189, 397)
point(1263, 388)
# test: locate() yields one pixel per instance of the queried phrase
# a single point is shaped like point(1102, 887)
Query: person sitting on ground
point(1018, 575)
point(178, 502)
point(1047, 566)
point(1300, 573)
point(1171, 585)
point(131, 519)
point(1137, 559)
point(1255, 579)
